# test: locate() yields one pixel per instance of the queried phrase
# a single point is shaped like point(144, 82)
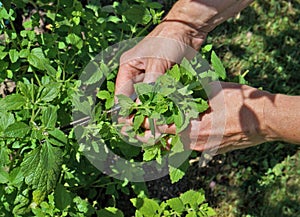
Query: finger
point(163, 129)
point(155, 67)
point(129, 74)
point(148, 137)
point(126, 120)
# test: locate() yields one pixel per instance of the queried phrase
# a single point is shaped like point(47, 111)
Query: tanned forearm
point(204, 15)
point(282, 118)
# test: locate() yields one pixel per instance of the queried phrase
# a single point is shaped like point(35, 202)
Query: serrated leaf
point(217, 65)
point(4, 155)
point(143, 88)
point(111, 86)
point(17, 130)
point(194, 198)
point(57, 137)
point(138, 14)
point(147, 207)
point(16, 176)
point(12, 102)
point(199, 106)
point(175, 174)
point(179, 118)
point(75, 40)
point(50, 92)
point(126, 104)
point(13, 55)
point(49, 117)
point(41, 168)
point(187, 69)
point(176, 204)
point(150, 153)
point(6, 119)
point(185, 91)
point(37, 58)
point(174, 72)
point(4, 176)
point(92, 73)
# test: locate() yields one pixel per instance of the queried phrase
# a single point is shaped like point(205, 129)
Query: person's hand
point(166, 45)
point(180, 35)
point(234, 120)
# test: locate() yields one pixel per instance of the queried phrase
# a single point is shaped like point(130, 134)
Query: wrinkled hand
point(234, 120)
point(166, 45)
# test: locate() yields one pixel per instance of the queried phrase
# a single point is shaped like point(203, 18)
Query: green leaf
point(110, 212)
point(2, 54)
point(199, 106)
point(17, 130)
point(176, 204)
point(174, 72)
point(185, 91)
point(126, 104)
point(4, 155)
point(93, 73)
point(37, 58)
point(41, 168)
point(16, 177)
point(50, 92)
point(24, 53)
point(12, 102)
point(147, 207)
point(138, 14)
point(13, 55)
point(57, 137)
point(103, 94)
point(49, 117)
point(143, 88)
point(138, 120)
point(4, 177)
point(179, 118)
point(75, 40)
point(206, 48)
point(150, 153)
point(194, 198)
point(175, 174)
point(152, 126)
point(62, 197)
point(111, 86)
point(217, 65)
point(113, 19)
point(6, 119)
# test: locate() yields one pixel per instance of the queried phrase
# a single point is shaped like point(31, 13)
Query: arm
point(282, 118)
point(183, 31)
point(241, 116)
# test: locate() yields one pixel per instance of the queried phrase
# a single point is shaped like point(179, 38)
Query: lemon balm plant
point(43, 170)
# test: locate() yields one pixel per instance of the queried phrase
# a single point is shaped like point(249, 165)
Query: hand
point(234, 120)
point(166, 45)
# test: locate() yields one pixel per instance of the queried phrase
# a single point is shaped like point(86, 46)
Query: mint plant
point(189, 204)
point(43, 168)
